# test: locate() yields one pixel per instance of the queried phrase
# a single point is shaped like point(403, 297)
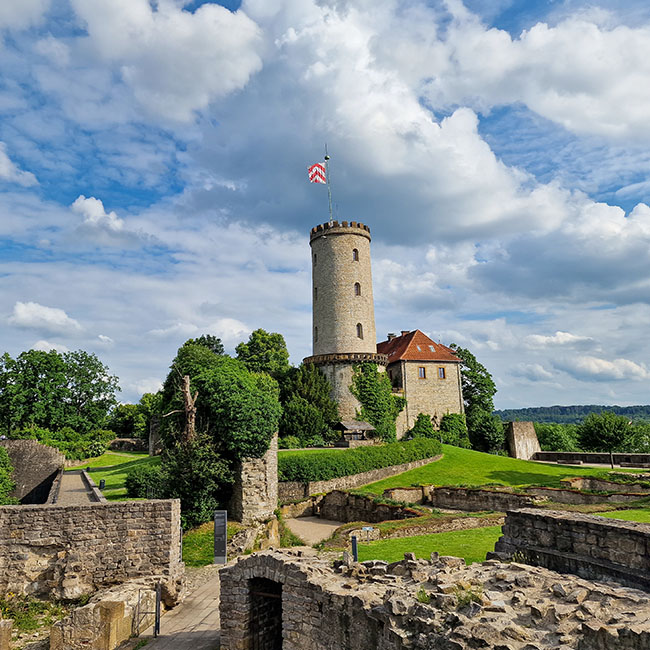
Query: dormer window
point(357, 289)
point(355, 255)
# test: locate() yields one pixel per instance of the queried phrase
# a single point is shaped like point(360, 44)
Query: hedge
point(327, 465)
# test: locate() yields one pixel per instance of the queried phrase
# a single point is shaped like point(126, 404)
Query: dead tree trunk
point(189, 402)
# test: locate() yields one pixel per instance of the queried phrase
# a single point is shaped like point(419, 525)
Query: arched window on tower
point(357, 289)
point(355, 255)
point(359, 330)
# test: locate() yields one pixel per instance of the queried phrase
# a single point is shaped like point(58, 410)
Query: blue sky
point(153, 178)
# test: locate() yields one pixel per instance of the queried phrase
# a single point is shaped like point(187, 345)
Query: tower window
point(441, 373)
point(357, 289)
point(359, 330)
point(315, 259)
point(315, 294)
point(315, 334)
point(422, 372)
point(355, 255)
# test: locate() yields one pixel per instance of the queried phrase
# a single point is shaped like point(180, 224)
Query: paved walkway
point(73, 490)
point(312, 529)
point(192, 625)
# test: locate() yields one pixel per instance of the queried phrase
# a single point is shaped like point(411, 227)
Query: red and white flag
point(317, 173)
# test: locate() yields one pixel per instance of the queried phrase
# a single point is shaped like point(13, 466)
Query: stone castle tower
point(343, 310)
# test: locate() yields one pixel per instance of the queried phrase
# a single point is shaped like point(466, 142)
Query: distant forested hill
point(571, 414)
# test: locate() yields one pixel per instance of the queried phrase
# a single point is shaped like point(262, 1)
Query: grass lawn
point(471, 544)
point(113, 468)
point(466, 467)
point(642, 515)
point(198, 543)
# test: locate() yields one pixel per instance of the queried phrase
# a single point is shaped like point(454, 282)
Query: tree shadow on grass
point(515, 477)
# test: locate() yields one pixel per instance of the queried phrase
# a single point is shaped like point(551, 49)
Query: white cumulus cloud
point(596, 369)
point(46, 346)
point(559, 338)
point(31, 315)
point(18, 14)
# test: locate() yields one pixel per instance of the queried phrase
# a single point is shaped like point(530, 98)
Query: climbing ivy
point(379, 406)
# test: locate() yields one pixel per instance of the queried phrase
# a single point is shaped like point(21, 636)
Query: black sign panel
point(220, 536)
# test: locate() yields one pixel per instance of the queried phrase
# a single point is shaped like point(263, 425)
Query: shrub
point(145, 482)
point(423, 427)
point(302, 420)
point(557, 437)
point(327, 465)
point(605, 432)
point(486, 431)
point(289, 442)
point(453, 430)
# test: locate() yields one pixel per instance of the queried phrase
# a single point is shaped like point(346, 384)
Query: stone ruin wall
point(35, 468)
point(68, 551)
point(522, 440)
point(422, 605)
point(255, 492)
point(593, 547)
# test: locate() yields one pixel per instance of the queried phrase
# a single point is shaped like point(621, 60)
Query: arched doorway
point(265, 614)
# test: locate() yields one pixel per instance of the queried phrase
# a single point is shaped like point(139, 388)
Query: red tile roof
point(416, 346)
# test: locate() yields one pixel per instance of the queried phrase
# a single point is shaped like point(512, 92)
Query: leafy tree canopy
point(132, 420)
point(54, 390)
point(209, 341)
point(478, 387)
point(605, 432)
point(486, 432)
point(453, 430)
point(265, 352)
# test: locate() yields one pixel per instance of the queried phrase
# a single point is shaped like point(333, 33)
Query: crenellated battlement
point(340, 228)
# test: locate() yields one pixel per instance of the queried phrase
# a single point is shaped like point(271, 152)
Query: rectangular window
point(441, 373)
point(422, 372)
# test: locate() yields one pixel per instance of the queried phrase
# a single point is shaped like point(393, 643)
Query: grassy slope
point(640, 514)
point(465, 467)
point(470, 544)
point(113, 468)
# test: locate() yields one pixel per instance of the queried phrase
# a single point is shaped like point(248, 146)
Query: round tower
point(343, 329)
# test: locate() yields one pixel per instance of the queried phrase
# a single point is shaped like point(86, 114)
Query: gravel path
point(73, 490)
point(312, 529)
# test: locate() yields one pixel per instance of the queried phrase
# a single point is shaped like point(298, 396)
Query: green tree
point(53, 390)
point(307, 385)
point(605, 432)
point(422, 428)
point(453, 430)
point(210, 342)
point(486, 432)
point(379, 406)
point(265, 352)
point(557, 437)
point(478, 386)
point(6, 482)
point(128, 421)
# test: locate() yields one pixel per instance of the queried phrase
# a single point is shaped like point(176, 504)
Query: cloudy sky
point(153, 182)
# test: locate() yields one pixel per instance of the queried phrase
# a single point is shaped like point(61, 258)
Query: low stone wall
point(110, 618)
point(594, 458)
point(600, 484)
point(35, 468)
point(292, 490)
point(68, 551)
point(592, 547)
point(129, 444)
point(574, 497)
point(96, 493)
point(343, 506)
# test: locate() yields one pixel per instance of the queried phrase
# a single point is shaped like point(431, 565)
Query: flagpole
point(327, 176)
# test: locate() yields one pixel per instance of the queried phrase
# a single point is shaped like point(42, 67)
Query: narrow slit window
point(315, 294)
point(422, 372)
point(315, 334)
point(441, 373)
point(355, 255)
point(357, 289)
point(359, 330)
point(315, 259)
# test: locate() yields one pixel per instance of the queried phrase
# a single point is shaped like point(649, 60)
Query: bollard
point(102, 484)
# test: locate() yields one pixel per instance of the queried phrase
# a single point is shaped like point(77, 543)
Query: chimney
point(391, 336)
point(404, 332)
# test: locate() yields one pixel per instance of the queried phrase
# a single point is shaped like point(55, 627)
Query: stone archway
point(265, 616)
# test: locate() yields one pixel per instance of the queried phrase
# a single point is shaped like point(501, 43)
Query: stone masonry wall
point(423, 605)
point(255, 493)
point(346, 507)
point(293, 490)
point(592, 547)
point(35, 467)
point(593, 457)
point(522, 440)
point(431, 395)
point(68, 551)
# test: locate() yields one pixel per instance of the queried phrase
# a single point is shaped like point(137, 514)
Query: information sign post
point(220, 536)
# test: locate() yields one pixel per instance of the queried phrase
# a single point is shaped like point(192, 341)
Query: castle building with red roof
point(426, 373)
